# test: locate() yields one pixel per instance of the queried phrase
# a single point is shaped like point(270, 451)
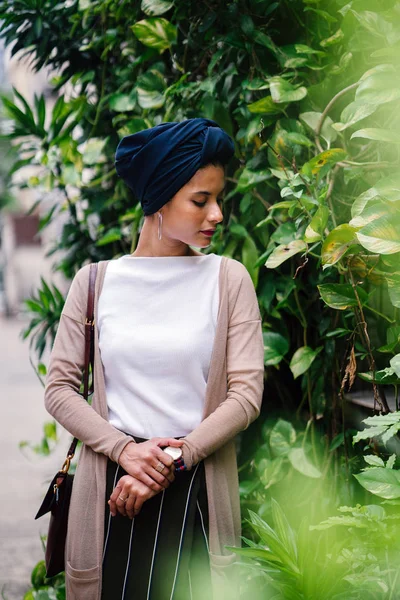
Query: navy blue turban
point(155, 163)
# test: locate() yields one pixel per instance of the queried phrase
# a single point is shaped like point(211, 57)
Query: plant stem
point(327, 109)
point(391, 321)
point(383, 165)
point(329, 193)
point(377, 397)
point(99, 102)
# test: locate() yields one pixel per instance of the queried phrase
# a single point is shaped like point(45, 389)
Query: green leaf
point(40, 110)
point(155, 32)
point(387, 188)
point(374, 23)
point(284, 205)
point(70, 175)
point(354, 112)
point(392, 337)
point(247, 487)
point(374, 209)
point(155, 7)
point(337, 441)
point(384, 377)
point(113, 235)
point(337, 243)
point(275, 348)
point(374, 460)
point(334, 39)
point(50, 430)
point(386, 420)
point(284, 530)
point(302, 360)
point(300, 462)
point(270, 471)
point(93, 151)
point(381, 236)
point(122, 102)
point(42, 369)
point(150, 89)
point(25, 120)
point(282, 438)
point(317, 225)
point(150, 98)
point(393, 282)
point(390, 461)
point(284, 252)
point(284, 233)
point(300, 139)
point(341, 295)
point(384, 483)
point(312, 119)
point(265, 106)
point(132, 126)
point(257, 83)
point(379, 88)
point(250, 257)
point(249, 179)
point(264, 40)
point(321, 13)
point(380, 135)
point(271, 539)
point(395, 364)
point(283, 91)
point(325, 159)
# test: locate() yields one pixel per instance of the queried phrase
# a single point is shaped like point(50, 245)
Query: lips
point(208, 231)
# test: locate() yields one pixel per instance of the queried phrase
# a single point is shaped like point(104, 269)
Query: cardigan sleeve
point(61, 396)
point(245, 378)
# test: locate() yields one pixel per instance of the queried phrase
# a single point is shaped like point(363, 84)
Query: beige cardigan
point(233, 400)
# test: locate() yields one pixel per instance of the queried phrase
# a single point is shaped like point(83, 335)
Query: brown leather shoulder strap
point(89, 344)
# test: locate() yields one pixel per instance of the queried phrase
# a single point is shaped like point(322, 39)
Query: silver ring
point(123, 499)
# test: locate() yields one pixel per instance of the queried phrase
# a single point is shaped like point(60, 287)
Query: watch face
point(175, 453)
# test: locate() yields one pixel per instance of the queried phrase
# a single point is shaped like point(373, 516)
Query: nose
point(215, 214)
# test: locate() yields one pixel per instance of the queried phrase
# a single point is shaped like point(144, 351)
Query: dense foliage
point(309, 90)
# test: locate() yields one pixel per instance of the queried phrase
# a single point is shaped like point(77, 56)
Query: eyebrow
point(206, 193)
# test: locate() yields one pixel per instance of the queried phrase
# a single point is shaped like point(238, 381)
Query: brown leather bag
point(58, 496)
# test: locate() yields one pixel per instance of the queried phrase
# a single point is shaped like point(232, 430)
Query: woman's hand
point(128, 496)
point(141, 459)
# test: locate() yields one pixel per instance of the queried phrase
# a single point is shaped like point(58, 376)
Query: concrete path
point(24, 476)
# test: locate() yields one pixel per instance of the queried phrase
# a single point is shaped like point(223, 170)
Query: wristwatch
point(176, 454)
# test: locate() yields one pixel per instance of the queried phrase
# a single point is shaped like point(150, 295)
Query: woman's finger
point(164, 457)
point(167, 473)
point(138, 505)
point(130, 505)
point(112, 501)
point(121, 503)
point(150, 477)
point(170, 442)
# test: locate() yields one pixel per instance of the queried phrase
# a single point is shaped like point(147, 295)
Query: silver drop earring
point(159, 225)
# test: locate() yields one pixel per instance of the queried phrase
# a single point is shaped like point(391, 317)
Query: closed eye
point(220, 201)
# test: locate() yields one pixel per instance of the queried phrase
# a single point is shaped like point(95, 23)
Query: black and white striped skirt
point(162, 553)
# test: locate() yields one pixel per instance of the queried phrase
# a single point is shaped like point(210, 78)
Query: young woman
point(178, 372)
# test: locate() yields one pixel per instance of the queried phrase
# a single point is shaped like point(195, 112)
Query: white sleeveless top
point(156, 322)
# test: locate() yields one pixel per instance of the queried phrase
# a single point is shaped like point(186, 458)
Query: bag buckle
point(67, 463)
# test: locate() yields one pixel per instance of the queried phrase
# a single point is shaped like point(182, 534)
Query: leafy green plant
point(311, 207)
point(309, 92)
point(349, 555)
point(44, 588)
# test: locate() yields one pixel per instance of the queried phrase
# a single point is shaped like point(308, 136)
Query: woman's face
point(196, 207)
